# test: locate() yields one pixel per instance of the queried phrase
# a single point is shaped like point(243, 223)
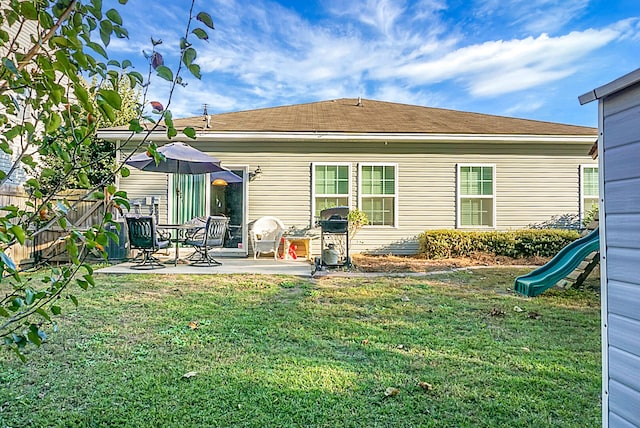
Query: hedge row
point(436, 244)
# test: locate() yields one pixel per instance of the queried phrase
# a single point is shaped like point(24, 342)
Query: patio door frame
point(241, 252)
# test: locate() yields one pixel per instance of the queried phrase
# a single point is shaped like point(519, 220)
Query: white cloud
point(498, 67)
point(534, 16)
point(264, 54)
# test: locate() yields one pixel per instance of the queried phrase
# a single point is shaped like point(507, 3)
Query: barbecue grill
point(334, 238)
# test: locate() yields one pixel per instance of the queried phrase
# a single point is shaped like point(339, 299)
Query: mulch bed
point(369, 263)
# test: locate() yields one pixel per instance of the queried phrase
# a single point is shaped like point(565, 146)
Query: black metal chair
point(203, 240)
point(143, 236)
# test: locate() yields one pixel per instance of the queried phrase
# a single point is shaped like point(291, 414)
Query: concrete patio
point(230, 265)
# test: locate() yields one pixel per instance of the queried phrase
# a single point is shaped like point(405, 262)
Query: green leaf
point(9, 65)
point(102, 239)
point(114, 16)
point(168, 118)
point(74, 299)
point(189, 56)
point(5, 147)
point(34, 337)
point(56, 310)
point(195, 70)
point(111, 188)
point(200, 33)
point(189, 132)
point(205, 18)
point(112, 97)
point(83, 96)
point(19, 233)
point(43, 314)
point(90, 280)
point(28, 10)
point(165, 72)
point(32, 182)
point(29, 296)
point(113, 236)
point(134, 125)
point(83, 178)
point(106, 28)
point(97, 8)
point(123, 203)
point(54, 123)
point(98, 49)
point(47, 173)
point(107, 110)
point(28, 160)
point(82, 283)
point(124, 172)
point(88, 268)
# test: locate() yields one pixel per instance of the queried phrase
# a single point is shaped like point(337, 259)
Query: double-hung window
point(331, 186)
point(476, 196)
point(378, 192)
point(589, 191)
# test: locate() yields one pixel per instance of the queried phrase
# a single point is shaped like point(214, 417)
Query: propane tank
point(330, 255)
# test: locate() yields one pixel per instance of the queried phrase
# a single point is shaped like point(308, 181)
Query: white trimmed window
point(331, 186)
point(589, 189)
point(476, 196)
point(378, 193)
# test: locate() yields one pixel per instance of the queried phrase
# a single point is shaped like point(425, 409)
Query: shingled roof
point(369, 116)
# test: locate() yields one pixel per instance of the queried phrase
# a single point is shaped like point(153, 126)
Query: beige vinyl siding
point(534, 182)
point(140, 185)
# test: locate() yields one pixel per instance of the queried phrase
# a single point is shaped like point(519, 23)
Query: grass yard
point(452, 350)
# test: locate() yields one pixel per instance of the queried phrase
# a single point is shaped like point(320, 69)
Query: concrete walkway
point(230, 265)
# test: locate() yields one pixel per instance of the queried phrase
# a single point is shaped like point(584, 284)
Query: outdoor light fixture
point(219, 182)
point(253, 174)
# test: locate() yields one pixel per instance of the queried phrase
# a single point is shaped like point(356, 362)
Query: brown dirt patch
point(368, 263)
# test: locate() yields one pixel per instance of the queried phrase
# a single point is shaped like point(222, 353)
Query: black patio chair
point(143, 236)
point(203, 240)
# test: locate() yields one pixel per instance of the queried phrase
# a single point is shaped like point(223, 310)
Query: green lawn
point(285, 352)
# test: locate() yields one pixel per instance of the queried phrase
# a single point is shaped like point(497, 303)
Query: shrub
point(435, 244)
point(590, 216)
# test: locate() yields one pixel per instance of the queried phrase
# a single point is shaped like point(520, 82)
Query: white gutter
point(159, 136)
point(611, 87)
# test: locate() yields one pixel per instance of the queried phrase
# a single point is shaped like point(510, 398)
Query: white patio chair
point(265, 236)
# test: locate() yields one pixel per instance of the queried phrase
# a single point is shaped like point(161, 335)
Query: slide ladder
point(561, 266)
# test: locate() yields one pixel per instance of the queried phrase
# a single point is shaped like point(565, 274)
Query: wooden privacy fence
point(48, 245)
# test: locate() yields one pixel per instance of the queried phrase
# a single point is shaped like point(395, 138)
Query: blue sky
point(521, 58)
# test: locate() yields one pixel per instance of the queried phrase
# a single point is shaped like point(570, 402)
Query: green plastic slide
point(559, 267)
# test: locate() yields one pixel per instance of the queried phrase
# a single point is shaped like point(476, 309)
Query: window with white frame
point(331, 186)
point(378, 193)
point(589, 192)
point(476, 196)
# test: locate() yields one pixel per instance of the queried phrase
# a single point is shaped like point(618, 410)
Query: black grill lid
point(334, 213)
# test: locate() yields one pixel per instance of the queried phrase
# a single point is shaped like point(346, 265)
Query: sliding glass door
point(196, 196)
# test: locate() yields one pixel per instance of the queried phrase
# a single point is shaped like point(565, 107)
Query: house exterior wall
point(535, 183)
point(14, 182)
point(620, 229)
point(142, 185)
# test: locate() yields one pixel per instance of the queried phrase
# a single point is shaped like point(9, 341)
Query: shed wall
point(621, 282)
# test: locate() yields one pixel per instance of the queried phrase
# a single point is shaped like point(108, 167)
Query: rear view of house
point(409, 168)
